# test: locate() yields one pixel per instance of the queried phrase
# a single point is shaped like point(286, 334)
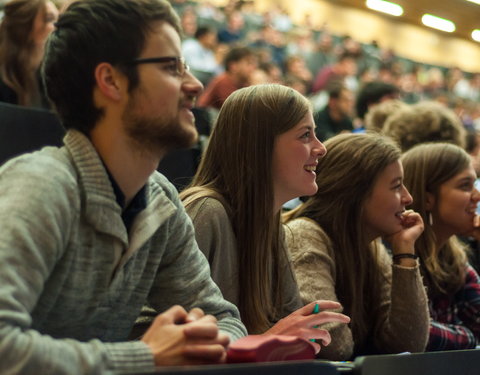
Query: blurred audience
point(240, 64)
point(295, 67)
point(233, 31)
point(337, 116)
point(199, 53)
point(373, 73)
point(373, 93)
point(345, 66)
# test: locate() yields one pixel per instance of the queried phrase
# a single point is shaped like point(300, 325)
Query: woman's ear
point(430, 201)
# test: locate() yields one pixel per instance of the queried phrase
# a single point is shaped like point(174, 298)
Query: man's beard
point(154, 134)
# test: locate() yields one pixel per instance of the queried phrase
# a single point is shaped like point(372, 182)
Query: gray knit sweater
point(72, 280)
point(401, 320)
point(216, 239)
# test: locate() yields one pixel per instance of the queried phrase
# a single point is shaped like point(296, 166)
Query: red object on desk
point(269, 348)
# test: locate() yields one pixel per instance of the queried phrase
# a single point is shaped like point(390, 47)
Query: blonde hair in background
point(346, 176)
point(425, 122)
point(378, 114)
point(237, 169)
point(426, 168)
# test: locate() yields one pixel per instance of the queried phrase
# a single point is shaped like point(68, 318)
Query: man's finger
point(208, 353)
point(194, 314)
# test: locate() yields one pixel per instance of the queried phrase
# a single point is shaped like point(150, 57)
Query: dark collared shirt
point(136, 205)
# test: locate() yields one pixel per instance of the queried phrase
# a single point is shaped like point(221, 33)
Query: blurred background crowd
point(235, 45)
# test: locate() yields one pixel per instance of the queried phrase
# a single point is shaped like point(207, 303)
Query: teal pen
point(316, 310)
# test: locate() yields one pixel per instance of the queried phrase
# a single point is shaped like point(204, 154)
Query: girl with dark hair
point(334, 239)
point(441, 177)
point(262, 153)
point(23, 32)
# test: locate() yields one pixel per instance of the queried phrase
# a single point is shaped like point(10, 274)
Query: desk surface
point(273, 368)
point(461, 362)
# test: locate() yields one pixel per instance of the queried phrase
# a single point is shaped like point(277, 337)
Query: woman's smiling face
point(389, 197)
point(294, 160)
point(453, 209)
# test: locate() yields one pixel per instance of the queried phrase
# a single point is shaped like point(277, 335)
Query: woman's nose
point(475, 195)
point(407, 197)
point(319, 148)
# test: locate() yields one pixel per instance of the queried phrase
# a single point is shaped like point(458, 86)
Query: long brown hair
point(237, 169)
point(345, 178)
point(427, 167)
point(16, 48)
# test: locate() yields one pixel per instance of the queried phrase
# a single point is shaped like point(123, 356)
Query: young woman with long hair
point(23, 31)
point(334, 240)
point(441, 178)
point(262, 152)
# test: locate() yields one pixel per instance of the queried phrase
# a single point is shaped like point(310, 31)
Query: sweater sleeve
point(292, 300)
point(402, 319)
point(216, 239)
point(314, 266)
point(36, 200)
point(193, 287)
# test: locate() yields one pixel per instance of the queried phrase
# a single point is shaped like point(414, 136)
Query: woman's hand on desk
point(303, 322)
point(180, 338)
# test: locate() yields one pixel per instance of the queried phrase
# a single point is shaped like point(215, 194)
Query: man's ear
point(110, 81)
point(430, 201)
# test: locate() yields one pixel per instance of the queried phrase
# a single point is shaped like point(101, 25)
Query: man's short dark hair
point(372, 93)
point(203, 30)
point(91, 32)
point(237, 54)
point(345, 55)
point(335, 89)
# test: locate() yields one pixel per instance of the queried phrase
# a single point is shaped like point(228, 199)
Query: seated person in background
point(233, 32)
point(297, 84)
point(90, 232)
point(253, 164)
point(23, 32)
point(295, 66)
point(339, 71)
point(334, 243)
point(424, 122)
point(199, 53)
point(273, 72)
point(337, 115)
point(378, 114)
point(441, 178)
point(240, 63)
point(373, 93)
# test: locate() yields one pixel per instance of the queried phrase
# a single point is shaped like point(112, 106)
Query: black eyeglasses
point(181, 65)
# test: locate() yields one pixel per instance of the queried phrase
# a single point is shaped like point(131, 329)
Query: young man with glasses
point(90, 232)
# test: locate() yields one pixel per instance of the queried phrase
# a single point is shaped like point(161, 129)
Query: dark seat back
point(25, 130)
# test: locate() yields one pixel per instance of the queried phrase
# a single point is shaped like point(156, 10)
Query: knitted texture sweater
point(73, 280)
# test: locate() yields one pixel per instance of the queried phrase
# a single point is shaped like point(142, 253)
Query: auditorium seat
point(25, 130)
